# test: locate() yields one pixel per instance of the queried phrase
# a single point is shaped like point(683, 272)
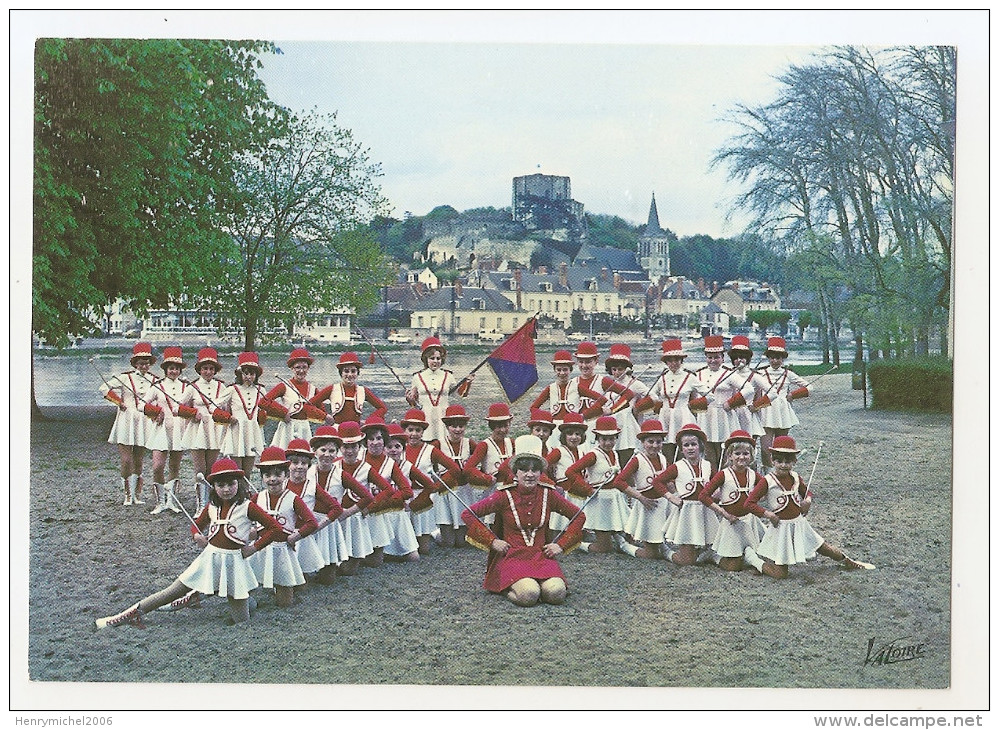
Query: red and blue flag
point(513, 362)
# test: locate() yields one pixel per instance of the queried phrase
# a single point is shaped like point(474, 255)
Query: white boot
point(131, 616)
point(750, 556)
point(191, 598)
point(160, 491)
point(128, 493)
point(170, 499)
point(133, 489)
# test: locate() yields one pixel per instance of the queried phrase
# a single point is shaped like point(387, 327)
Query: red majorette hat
point(785, 445)
point(571, 421)
point(348, 358)
point(250, 360)
point(396, 433)
point(429, 344)
point(740, 343)
point(455, 414)
point(207, 355)
point(672, 348)
point(691, 429)
point(375, 422)
point(740, 437)
point(272, 456)
point(652, 427)
point(300, 353)
point(325, 434)
point(619, 353)
point(298, 447)
point(586, 350)
point(225, 468)
point(499, 412)
point(714, 343)
point(350, 432)
point(173, 356)
point(562, 357)
point(777, 346)
point(540, 418)
point(415, 417)
point(142, 350)
point(606, 426)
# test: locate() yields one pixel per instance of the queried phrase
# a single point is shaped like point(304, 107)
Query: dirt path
point(626, 622)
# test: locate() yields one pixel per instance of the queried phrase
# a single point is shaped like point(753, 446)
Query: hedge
point(918, 383)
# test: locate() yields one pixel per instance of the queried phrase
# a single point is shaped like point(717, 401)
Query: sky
point(454, 123)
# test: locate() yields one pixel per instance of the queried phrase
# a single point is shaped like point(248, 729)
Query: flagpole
point(486, 358)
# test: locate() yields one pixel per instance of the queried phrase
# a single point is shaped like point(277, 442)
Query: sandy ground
point(626, 622)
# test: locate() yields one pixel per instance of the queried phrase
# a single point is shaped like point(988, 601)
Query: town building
point(738, 297)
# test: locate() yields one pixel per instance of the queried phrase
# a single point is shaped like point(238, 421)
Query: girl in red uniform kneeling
point(522, 563)
point(222, 567)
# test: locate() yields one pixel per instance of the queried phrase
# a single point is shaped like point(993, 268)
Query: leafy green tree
point(133, 148)
point(767, 318)
point(612, 231)
point(299, 237)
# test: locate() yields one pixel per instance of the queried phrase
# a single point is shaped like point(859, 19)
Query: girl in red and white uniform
point(347, 399)
point(630, 390)
point(781, 386)
point(607, 512)
point(421, 507)
point(428, 458)
point(447, 507)
point(277, 565)
point(167, 435)
point(430, 388)
point(387, 513)
point(313, 550)
point(564, 395)
point(720, 390)
point(487, 467)
point(134, 424)
point(352, 496)
point(242, 409)
point(572, 437)
point(670, 395)
point(522, 565)
point(605, 387)
point(750, 383)
point(291, 404)
point(355, 527)
point(223, 532)
point(726, 494)
point(202, 435)
point(784, 500)
point(649, 511)
point(691, 527)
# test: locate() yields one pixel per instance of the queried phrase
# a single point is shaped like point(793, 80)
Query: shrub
point(919, 383)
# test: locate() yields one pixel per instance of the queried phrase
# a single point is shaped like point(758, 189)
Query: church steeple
point(653, 246)
point(652, 227)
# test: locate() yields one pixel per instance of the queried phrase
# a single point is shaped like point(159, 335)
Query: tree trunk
point(36, 412)
point(250, 333)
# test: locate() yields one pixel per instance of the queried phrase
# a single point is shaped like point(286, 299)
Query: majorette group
point(681, 485)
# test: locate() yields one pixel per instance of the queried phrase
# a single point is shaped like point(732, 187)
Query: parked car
point(399, 339)
point(575, 337)
point(493, 336)
point(601, 336)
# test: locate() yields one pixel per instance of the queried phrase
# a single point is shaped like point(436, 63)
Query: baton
point(200, 478)
point(436, 476)
point(579, 511)
point(129, 389)
point(816, 462)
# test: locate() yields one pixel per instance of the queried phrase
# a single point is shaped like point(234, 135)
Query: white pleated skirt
point(203, 435)
point(167, 436)
point(332, 545)
point(608, 511)
point(299, 428)
point(378, 530)
point(277, 565)
point(403, 536)
point(792, 541)
point(309, 554)
point(131, 428)
point(717, 423)
point(648, 525)
point(425, 522)
point(731, 540)
point(447, 509)
point(779, 414)
point(691, 524)
point(557, 522)
point(220, 572)
point(357, 537)
point(243, 438)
